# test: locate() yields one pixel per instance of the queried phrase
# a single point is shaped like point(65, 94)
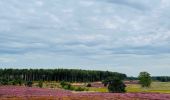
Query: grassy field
point(158, 87)
point(94, 89)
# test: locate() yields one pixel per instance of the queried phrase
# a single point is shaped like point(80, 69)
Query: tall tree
point(144, 79)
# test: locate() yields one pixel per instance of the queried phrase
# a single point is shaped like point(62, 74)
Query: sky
point(127, 36)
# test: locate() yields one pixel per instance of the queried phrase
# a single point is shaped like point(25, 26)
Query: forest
point(69, 75)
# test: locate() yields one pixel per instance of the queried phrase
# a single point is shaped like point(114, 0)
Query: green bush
point(4, 81)
point(20, 82)
point(62, 83)
point(29, 83)
point(68, 86)
point(115, 85)
point(14, 82)
point(40, 84)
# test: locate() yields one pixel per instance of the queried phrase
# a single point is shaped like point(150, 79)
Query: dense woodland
point(69, 75)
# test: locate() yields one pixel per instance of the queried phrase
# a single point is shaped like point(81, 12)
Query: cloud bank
point(124, 36)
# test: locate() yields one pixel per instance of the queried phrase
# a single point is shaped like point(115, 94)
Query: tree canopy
point(69, 75)
point(144, 79)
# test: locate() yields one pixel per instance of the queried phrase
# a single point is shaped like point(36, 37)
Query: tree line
point(162, 78)
point(69, 75)
point(154, 78)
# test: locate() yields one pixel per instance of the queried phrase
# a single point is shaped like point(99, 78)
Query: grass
point(52, 84)
point(159, 87)
point(94, 89)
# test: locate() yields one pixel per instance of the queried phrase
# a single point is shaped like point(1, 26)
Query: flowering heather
point(31, 93)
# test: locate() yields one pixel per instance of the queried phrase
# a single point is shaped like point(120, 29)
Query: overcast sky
point(127, 36)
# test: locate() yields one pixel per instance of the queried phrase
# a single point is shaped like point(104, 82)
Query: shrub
point(14, 82)
point(88, 85)
point(62, 83)
point(115, 85)
point(29, 83)
point(40, 84)
point(20, 82)
point(68, 86)
point(4, 81)
point(65, 85)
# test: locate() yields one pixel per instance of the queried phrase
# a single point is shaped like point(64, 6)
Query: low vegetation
point(40, 84)
point(115, 85)
point(68, 86)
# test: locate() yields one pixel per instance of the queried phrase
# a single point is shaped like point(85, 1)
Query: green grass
point(94, 89)
point(159, 87)
point(52, 84)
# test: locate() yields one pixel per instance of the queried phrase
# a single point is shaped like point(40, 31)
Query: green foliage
point(63, 83)
point(29, 83)
point(40, 84)
point(14, 82)
point(115, 85)
point(68, 86)
point(161, 78)
point(80, 89)
point(7, 81)
point(4, 81)
point(20, 82)
point(144, 79)
point(69, 75)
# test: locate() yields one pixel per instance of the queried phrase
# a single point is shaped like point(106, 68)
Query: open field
point(31, 93)
point(156, 87)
